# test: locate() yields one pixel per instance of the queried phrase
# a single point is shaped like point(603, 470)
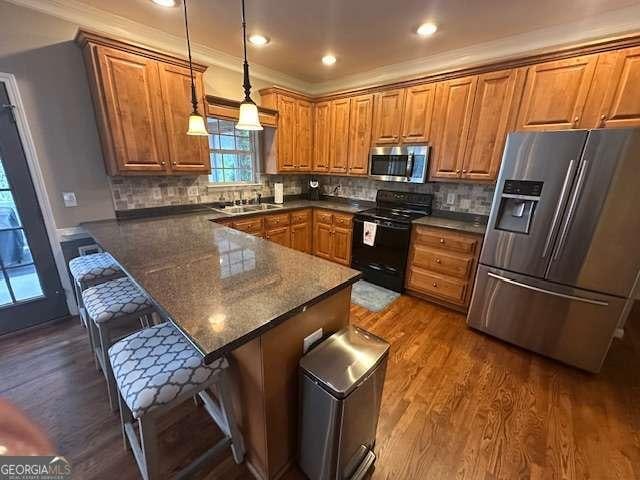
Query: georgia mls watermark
point(34, 468)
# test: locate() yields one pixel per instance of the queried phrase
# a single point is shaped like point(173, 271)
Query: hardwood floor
point(456, 404)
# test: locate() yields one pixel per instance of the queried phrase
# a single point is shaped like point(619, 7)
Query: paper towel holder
point(278, 192)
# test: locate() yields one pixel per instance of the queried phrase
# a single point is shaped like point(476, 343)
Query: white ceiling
point(367, 36)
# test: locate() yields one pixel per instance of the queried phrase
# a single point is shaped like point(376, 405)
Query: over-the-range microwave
point(399, 163)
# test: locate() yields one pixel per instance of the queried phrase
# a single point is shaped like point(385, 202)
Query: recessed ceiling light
point(427, 29)
point(328, 60)
point(165, 3)
point(258, 40)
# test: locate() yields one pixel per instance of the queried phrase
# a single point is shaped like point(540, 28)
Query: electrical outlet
point(465, 203)
point(171, 191)
point(156, 193)
point(451, 198)
point(192, 191)
point(69, 199)
point(309, 340)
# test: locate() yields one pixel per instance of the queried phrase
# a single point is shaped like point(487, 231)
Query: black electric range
point(384, 262)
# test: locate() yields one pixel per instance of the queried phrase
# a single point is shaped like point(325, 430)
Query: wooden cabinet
point(442, 265)
point(279, 235)
point(321, 136)
point(142, 102)
point(361, 118)
point(301, 230)
point(555, 94)
point(492, 117)
point(332, 234)
point(253, 225)
point(286, 133)
point(614, 98)
point(454, 103)
point(418, 112)
point(304, 136)
point(387, 117)
point(339, 136)
point(187, 153)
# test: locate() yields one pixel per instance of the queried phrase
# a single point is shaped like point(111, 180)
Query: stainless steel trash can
point(341, 388)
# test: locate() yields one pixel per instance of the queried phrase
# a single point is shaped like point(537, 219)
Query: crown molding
point(613, 23)
point(98, 20)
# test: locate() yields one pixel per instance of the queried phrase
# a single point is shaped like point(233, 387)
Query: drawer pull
point(442, 240)
point(438, 260)
point(435, 284)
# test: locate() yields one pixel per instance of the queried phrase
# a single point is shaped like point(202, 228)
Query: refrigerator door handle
point(556, 215)
point(572, 209)
point(549, 292)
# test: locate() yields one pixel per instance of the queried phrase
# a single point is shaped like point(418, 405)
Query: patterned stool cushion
point(113, 299)
point(154, 366)
point(88, 268)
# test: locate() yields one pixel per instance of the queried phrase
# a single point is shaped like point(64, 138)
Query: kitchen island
point(237, 295)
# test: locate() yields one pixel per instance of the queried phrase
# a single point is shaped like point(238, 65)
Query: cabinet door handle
point(457, 171)
point(435, 284)
point(438, 260)
point(603, 119)
point(464, 171)
point(163, 163)
point(175, 163)
point(575, 121)
point(442, 240)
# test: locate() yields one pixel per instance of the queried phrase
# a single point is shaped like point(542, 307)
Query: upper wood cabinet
point(387, 117)
point(417, 114)
point(339, 136)
point(321, 136)
point(492, 117)
point(361, 118)
point(454, 103)
point(304, 136)
point(555, 94)
point(286, 133)
point(142, 106)
point(614, 98)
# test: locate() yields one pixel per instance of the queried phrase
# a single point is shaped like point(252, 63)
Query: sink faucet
point(259, 198)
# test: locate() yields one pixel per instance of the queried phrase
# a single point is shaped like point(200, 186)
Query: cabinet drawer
point(342, 220)
point(433, 284)
point(279, 220)
point(446, 240)
point(322, 216)
point(250, 225)
point(441, 262)
point(301, 216)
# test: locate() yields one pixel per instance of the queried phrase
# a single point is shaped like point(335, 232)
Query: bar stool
point(90, 270)
point(155, 370)
point(111, 307)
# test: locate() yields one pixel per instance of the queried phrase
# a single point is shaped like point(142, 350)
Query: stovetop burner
point(394, 214)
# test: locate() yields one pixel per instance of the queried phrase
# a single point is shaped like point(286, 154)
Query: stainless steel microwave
point(399, 163)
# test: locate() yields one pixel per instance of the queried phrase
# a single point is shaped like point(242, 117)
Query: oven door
point(399, 164)
point(383, 263)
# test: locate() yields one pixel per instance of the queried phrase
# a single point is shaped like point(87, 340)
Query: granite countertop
point(462, 225)
point(221, 287)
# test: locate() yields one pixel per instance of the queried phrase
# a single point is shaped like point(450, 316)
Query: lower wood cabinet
point(442, 265)
point(301, 230)
point(332, 236)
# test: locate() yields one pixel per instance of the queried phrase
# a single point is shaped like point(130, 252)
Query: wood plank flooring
point(457, 405)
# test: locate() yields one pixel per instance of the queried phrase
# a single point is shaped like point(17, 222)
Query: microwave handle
point(409, 171)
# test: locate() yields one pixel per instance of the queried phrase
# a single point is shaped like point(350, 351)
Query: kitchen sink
point(240, 209)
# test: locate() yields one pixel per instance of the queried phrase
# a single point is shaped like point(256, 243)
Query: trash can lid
point(345, 358)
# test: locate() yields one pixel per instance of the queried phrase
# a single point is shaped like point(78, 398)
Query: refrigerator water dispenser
point(517, 205)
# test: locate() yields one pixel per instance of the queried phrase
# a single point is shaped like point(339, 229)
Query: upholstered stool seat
point(110, 306)
point(155, 370)
point(91, 269)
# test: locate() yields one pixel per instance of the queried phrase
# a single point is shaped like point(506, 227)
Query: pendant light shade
point(249, 119)
point(197, 124)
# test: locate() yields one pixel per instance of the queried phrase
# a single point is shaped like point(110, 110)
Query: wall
point(39, 50)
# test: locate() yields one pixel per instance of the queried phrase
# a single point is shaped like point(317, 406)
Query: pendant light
point(249, 119)
point(196, 121)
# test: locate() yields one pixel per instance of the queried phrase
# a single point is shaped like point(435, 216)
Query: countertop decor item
point(249, 119)
point(196, 121)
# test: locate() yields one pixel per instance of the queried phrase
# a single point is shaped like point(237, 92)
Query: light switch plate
point(309, 340)
point(192, 191)
point(451, 198)
point(69, 199)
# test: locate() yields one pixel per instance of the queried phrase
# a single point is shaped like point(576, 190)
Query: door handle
point(572, 209)
point(409, 171)
point(556, 215)
point(548, 292)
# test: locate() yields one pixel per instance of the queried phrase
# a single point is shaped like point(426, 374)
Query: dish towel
point(369, 233)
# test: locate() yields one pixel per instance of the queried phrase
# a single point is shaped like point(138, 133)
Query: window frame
point(254, 139)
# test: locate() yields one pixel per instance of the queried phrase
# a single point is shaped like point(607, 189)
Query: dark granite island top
point(219, 286)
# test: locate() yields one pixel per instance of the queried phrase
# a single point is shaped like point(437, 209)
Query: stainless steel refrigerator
point(560, 262)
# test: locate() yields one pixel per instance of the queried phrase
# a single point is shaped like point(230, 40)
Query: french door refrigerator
point(560, 262)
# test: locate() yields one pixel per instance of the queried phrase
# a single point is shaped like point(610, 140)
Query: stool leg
point(126, 418)
point(224, 399)
point(149, 446)
point(95, 341)
point(104, 333)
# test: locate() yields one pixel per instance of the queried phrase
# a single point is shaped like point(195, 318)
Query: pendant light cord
point(194, 98)
point(247, 84)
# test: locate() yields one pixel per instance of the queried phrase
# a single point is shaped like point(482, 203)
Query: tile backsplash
point(146, 192)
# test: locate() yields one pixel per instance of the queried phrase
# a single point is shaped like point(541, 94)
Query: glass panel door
point(30, 289)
